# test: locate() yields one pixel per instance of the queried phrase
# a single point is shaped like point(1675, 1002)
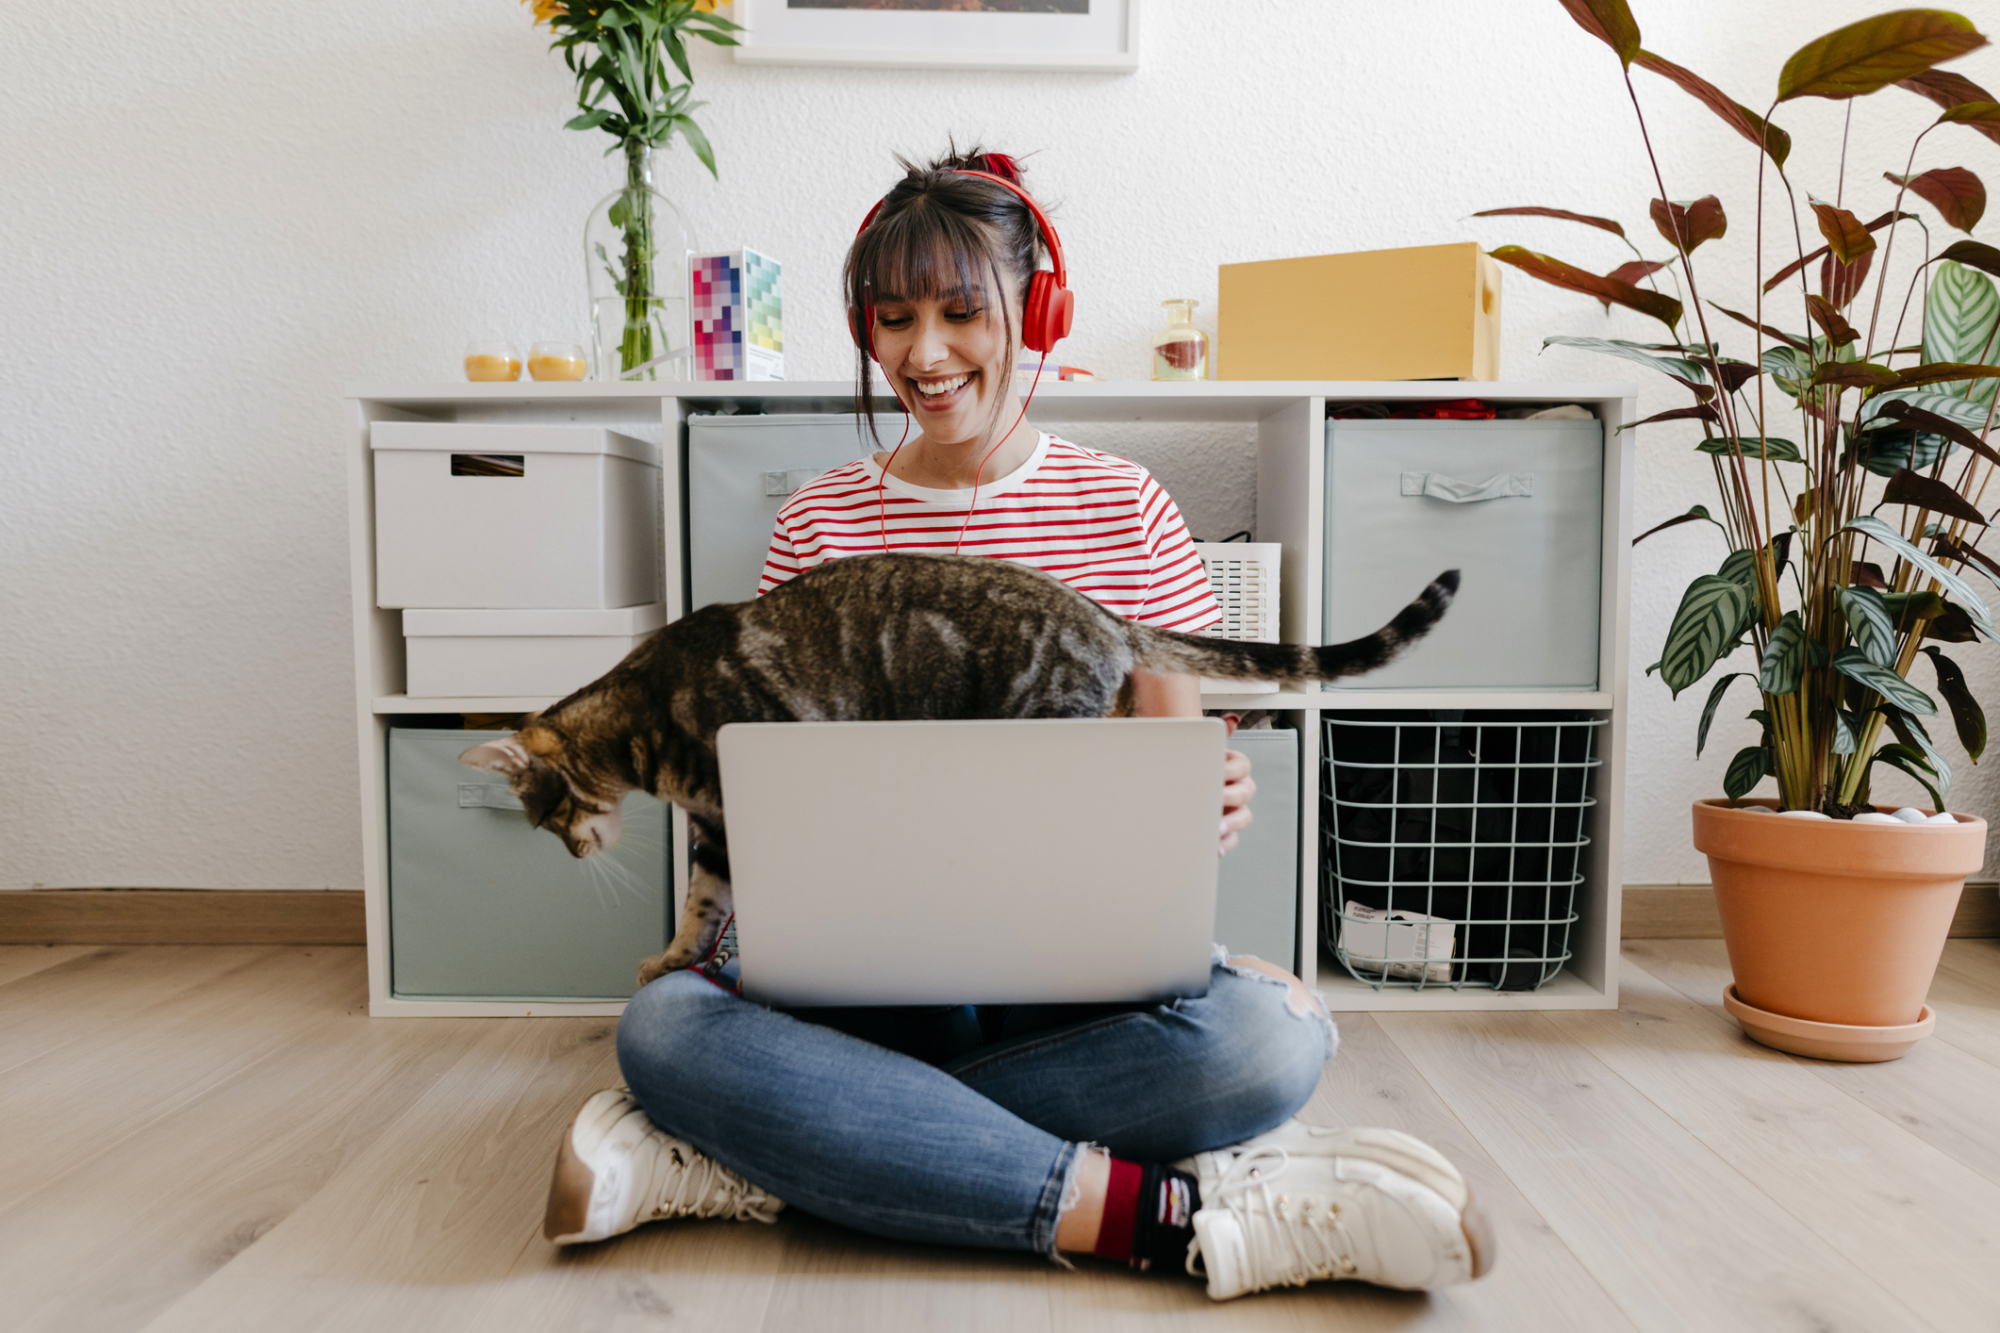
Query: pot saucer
point(1827, 1041)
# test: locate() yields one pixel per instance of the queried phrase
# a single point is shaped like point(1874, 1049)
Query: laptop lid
point(1010, 862)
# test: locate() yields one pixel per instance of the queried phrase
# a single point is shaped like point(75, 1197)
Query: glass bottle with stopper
point(1180, 350)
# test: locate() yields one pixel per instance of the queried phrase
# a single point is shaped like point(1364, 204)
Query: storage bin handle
point(1437, 486)
point(487, 796)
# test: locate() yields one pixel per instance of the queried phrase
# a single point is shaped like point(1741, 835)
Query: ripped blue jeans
point(962, 1126)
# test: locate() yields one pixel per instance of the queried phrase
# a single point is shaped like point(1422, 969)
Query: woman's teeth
point(938, 388)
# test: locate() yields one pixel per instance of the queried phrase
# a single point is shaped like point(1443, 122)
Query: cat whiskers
point(607, 874)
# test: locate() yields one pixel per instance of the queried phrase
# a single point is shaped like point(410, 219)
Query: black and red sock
point(1149, 1210)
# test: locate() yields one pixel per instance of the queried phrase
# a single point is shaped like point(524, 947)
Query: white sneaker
point(1301, 1203)
point(616, 1169)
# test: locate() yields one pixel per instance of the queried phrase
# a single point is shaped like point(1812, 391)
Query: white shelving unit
point(1290, 481)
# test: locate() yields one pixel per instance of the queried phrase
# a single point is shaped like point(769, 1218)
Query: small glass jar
point(557, 361)
point(1180, 350)
point(490, 359)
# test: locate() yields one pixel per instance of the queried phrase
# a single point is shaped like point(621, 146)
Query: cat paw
point(673, 960)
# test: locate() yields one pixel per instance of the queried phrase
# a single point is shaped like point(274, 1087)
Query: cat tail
point(1293, 663)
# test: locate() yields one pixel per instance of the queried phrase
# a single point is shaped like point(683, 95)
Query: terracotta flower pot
point(1832, 924)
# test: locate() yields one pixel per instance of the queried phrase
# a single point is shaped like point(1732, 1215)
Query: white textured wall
point(210, 224)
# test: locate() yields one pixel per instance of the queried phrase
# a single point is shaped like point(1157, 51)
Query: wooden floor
point(218, 1138)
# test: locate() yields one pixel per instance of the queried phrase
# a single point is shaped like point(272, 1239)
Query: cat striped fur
point(883, 637)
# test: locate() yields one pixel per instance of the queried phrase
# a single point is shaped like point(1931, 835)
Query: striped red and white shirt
point(1098, 523)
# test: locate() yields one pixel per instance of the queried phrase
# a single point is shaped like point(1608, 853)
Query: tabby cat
point(877, 638)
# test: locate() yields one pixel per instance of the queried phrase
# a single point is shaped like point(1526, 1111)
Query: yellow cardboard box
point(1429, 312)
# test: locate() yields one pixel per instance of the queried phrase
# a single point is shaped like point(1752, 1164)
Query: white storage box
point(485, 515)
point(493, 654)
point(1244, 578)
point(1517, 507)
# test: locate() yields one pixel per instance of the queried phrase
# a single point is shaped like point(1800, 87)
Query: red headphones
point(1045, 319)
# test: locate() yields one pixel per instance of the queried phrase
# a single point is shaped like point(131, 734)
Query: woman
point(1160, 1135)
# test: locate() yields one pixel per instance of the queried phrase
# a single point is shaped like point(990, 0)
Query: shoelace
point(697, 1177)
point(1311, 1237)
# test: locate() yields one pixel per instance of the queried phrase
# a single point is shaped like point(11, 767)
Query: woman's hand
point(1156, 695)
point(1237, 789)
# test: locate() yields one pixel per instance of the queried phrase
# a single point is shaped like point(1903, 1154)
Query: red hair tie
point(1001, 165)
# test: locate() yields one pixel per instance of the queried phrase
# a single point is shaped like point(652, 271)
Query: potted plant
point(624, 54)
point(1852, 530)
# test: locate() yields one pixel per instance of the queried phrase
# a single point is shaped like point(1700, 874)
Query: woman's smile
point(942, 393)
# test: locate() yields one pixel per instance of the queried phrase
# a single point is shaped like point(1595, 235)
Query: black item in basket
point(1478, 824)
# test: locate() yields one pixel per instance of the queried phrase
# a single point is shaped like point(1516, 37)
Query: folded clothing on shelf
point(1402, 944)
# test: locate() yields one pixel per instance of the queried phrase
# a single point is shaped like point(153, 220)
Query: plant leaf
point(1950, 90)
point(1858, 59)
point(1686, 226)
point(1708, 709)
point(1699, 412)
point(1602, 224)
point(1838, 330)
point(1867, 575)
point(1938, 372)
point(1841, 283)
point(1784, 663)
point(1610, 22)
point(1912, 734)
point(1967, 717)
point(1912, 609)
point(1789, 339)
point(1972, 113)
point(1753, 446)
point(699, 142)
point(1710, 611)
point(1953, 625)
point(1846, 238)
point(1946, 88)
point(1954, 192)
point(1950, 548)
point(1870, 623)
point(1760, 132)
point(1912, 488)
point(1636, 270)
point(1633, 271)
point(1734, 374)
point(1854, 664)
point(1698, 514)
point(1803, 260)
point(1846, 732)
point(1745, 771)
point(1677, 367)
point(1962, 323)
point(1904, 410)
point(1855, 374)
point(1909, 761)
point(1877, 530)
point(1973, 254)
point(1550, 270)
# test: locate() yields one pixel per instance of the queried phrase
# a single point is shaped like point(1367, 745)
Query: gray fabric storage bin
point(740, 471)
point(484, 906)
point(1515, 506)
point(1257, 885)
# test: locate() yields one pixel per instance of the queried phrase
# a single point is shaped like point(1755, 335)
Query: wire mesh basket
point(1454, 845)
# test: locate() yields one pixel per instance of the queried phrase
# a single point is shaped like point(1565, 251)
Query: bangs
point(924, 253)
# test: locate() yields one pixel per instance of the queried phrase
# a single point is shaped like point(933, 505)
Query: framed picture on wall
point(1084, 36)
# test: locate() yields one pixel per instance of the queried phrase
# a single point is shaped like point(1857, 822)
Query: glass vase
point(636, 251)
point(1180, 350)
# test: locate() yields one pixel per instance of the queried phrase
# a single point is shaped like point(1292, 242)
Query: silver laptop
point(973, 862)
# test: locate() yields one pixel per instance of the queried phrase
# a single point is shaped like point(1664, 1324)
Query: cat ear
point(506, 756)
